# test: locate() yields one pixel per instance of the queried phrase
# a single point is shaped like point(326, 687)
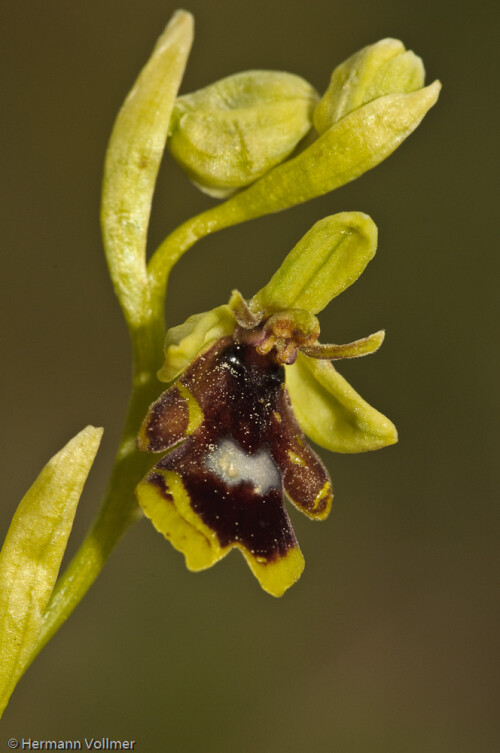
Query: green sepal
point(331, 412)
point(378, 69)
point(326, 260)
point(133, 158)
point(33, 550)
point(184, 342)
point(230, 133)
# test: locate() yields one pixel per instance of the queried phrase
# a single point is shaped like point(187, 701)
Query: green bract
point(230, 133)
point(134, 154)
point(33, 550)
point(375, 71)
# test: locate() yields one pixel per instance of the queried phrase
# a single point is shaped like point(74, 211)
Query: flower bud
point(356, 143)
point(228, 134)
point(378, 69)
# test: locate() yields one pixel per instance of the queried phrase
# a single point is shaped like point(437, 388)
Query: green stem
point(183, 237)
point(119, 508)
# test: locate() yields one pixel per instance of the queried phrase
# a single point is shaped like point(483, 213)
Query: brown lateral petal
point(166, 422)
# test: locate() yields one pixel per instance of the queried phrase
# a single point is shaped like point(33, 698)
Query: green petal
point(33, 550)
point(331, 352)
point(184, 342)
point(328, 259)
point(134, 154)
point(379, 69)
point(170, 419)
point(331, 413)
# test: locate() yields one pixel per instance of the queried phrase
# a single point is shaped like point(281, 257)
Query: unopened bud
point(230, 133)
point(385, 67)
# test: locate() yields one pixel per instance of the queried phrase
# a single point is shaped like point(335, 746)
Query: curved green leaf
point(33, 550)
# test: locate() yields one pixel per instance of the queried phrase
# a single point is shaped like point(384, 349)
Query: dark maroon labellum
point(246, 450)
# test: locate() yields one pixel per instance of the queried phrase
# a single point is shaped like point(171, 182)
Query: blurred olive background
point(388, 643)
